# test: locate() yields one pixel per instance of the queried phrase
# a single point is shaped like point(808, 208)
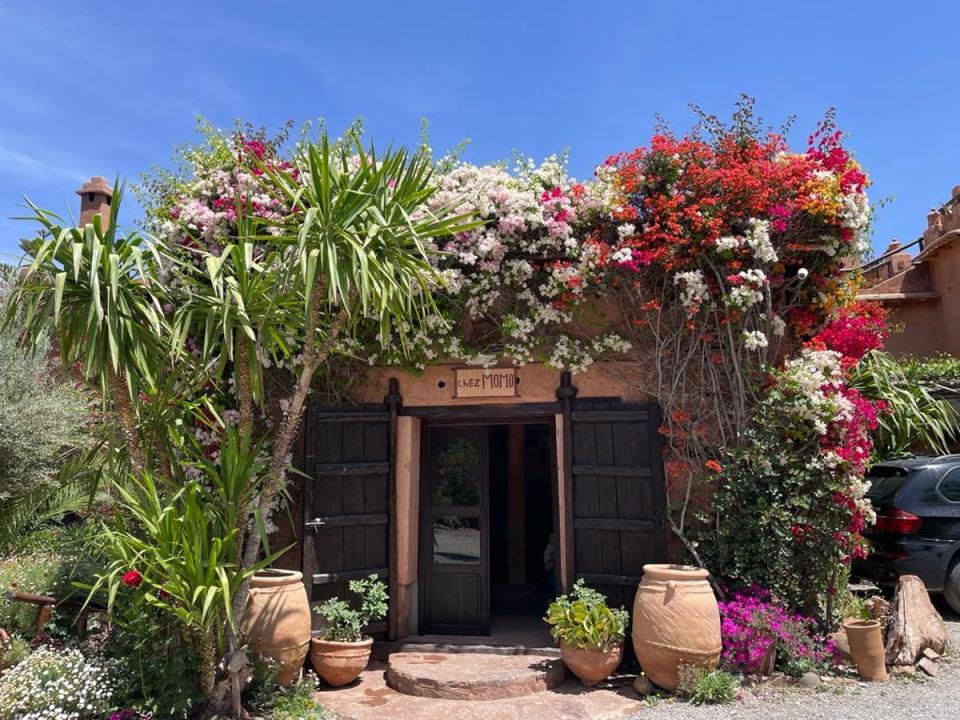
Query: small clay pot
point(339, 663)
point(591, 665)
point(766, 664)
point(866, 647)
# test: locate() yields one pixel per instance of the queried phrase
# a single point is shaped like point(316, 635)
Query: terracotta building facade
point(922, 291)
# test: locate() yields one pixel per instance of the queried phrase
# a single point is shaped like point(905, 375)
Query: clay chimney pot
point(95, 197)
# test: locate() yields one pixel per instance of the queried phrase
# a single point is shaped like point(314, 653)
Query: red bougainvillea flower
point(132, 578)
point(714, 466)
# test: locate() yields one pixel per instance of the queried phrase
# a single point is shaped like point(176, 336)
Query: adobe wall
point(436, 385)
point(930, 327)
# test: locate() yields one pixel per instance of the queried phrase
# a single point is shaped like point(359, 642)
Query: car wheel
point(951, 588)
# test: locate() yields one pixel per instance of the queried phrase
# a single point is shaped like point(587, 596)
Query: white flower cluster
point(728, 243)
point(693, 290)
point(856, 216)
point(577, 356)
point(754, 340)
point(810, 375)
point(55, 685)
point(758, 238)
point(520, 270)
point(749, 291)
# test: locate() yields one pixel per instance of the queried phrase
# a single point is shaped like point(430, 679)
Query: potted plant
point(340, 651)
point(590, 633)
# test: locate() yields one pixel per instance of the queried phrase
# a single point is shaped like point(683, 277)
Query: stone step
point(383, 649)
point(472, 676)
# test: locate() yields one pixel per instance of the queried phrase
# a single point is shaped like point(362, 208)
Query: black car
point(917, 532)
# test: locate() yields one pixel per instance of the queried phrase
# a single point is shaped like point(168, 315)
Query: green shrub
point(297, 702)
point(345, 624)
point(157, 672)
point(797, 666)
point(706, 687)
point(43, 419)
point(13, 652)
point(584, 620)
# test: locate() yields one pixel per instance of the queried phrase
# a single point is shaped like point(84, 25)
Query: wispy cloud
point(35, 167)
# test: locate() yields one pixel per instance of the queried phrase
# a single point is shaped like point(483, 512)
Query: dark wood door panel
point(345, 499)
point(618, 494)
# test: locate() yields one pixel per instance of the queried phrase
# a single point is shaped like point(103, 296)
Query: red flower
point(132, 578)
point(714, 466)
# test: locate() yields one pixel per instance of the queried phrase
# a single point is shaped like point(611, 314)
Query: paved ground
point(925, 699)
point(371, 699)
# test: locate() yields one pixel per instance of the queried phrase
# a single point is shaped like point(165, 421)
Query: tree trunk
point(313, 356)
point(208, 662)
point(913, 624)
point(128, 420)
point(241, 363)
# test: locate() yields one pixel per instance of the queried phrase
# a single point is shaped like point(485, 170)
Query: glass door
point(454, 563)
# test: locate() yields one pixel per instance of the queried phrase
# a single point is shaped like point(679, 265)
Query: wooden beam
point(516, 507)
point(330, 578)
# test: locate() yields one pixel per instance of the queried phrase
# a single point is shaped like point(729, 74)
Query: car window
point(949, 485)
point(885, 481)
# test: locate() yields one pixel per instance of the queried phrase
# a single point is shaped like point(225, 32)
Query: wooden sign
point(492, 382)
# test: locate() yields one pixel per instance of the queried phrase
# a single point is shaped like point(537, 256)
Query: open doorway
point(522, 555)
point(487, 513)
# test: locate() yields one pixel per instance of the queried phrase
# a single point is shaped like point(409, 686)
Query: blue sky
point(109, 88)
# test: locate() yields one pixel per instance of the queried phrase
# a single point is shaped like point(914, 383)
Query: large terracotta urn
point(676, 622)
point(277, 621)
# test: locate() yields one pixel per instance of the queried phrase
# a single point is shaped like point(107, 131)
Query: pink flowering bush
point(752, 624)
point(790, 502)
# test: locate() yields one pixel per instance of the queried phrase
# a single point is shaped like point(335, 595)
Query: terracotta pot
point(676, 622)
point(591, 665)
point(766, 664)
point(866, 647)
point(339, 663)
point(277, 621)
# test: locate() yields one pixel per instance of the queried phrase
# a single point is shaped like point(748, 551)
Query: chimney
point(899, 261)
point(95, 197)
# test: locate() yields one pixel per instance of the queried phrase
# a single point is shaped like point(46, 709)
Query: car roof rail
point(946, 458)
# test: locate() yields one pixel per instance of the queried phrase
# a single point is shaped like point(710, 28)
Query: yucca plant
point(356, 235)
point(176, 548)
point(915, 419)
point(92, 286)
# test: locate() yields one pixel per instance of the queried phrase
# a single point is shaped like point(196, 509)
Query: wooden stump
point(913, 624)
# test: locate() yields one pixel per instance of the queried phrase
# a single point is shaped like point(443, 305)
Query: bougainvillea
point(855, 330)
point(702, 264)
point(799, 469)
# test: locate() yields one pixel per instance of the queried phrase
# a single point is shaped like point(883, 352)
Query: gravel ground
point(926, 699)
